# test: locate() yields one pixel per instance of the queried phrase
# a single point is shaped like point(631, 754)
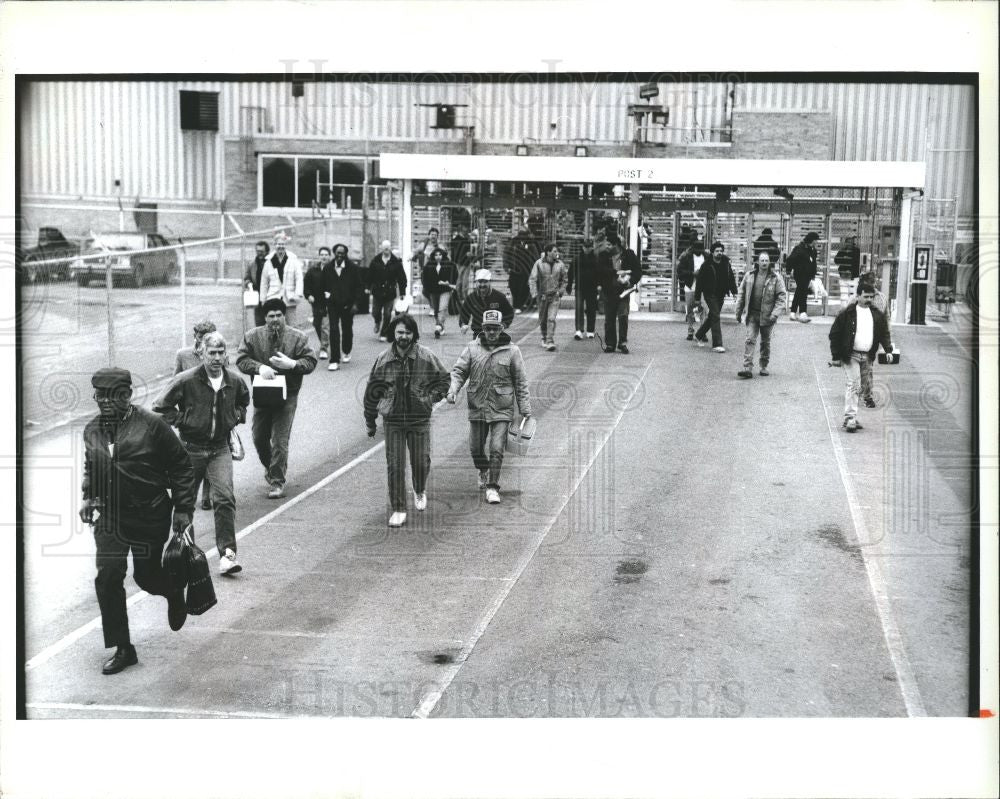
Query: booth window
point(299, 181)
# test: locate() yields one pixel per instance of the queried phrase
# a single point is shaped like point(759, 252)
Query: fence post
point(109, 291)
point(221, 267)
point(183, 291)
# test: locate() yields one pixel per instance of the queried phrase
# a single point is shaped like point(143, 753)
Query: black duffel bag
point(175, 559)
point(200, 591)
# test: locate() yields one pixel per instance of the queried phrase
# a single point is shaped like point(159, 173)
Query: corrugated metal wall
point(78, 137)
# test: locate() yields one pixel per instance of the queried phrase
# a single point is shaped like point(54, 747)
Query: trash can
point(945, 282)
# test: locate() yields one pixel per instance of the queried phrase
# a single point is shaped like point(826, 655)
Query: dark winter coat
point(845, 326)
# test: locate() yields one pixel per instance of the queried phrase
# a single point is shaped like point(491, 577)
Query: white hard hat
point(484, 274)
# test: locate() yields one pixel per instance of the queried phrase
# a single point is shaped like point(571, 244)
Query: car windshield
point(119, 241)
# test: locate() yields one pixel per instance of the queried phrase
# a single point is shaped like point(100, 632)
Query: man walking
point(584, 273)
point(801, 262)
point(251, 279)
point(715, 280)
point(282, 277)
point(313, 284)
point(405, 383)
point(483, 298)
point(131, 459)
point(387, 281)
point(855, 337)
point(546, 284)
point(189, 358)
point(439, 279)
point(341, 289)
point(494, 368)
point(619, 272)
point(765, 243)
point(762, 296)
point(271, 350)
point(205, 404)
point(518, 257)
point(688, 267)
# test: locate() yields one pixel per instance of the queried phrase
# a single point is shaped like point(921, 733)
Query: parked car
point(138, 270)
point(51, 244)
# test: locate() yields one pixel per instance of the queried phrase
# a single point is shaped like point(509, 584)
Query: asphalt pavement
point(677, 543)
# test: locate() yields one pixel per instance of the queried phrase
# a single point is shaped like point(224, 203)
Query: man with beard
point(251, 280)
point(484, 298)
point(494, 368)
point(519, 256)
point(584, 273)
point(619, 271)
point(801, 262)
point(386, 280)
point(405, 383)
point(317, 299)
point(131, 459)
point(271, 350)
point(341, 288)
point(715, 280)
point(205, 404)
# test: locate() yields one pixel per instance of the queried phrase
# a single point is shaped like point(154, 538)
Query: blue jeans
point(548, 307)
point(272, 427)
point(487, 441)
point(217, 464)
point(754, 327)
point(400, 437)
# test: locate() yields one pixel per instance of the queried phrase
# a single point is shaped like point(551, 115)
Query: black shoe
point(870, 402)
point(206, 503)
point(690, 337)
point(609, 349)
point(623, 349)
point(123, 657)
point(746, 374)
point(176, 610)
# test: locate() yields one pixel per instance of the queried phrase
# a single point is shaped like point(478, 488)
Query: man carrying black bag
point(131, 459)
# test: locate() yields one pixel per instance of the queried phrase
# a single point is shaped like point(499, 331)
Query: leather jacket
point(187, 405)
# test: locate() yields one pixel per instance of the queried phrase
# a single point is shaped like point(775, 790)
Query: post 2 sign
point(922, 254)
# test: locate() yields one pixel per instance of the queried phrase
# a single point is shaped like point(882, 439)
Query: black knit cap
point(111, 377)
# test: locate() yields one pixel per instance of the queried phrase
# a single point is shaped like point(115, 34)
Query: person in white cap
point(494, 369)
point(484, 298)
point(283, 277)
point(386, 281)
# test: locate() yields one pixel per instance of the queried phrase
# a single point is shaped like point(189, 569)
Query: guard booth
point(565, 199)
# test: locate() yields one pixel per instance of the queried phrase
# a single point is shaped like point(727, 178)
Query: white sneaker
point(590, 335)
point(420, 500)
point(322, 355)
point(804, 317)
point(382, 338)
point(333, 367)
point(517, 310)
point(346, 359)
point(544, 344)
point(718, 349)
point(398, 519)
point(430, 312)
point(578, 335)
point(492, 496)
point(551, 347)
point(484, 476)
point(228, 564)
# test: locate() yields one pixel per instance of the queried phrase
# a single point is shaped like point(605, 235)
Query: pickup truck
point(51, 244)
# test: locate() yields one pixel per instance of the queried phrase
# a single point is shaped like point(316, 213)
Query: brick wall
point(777, 134)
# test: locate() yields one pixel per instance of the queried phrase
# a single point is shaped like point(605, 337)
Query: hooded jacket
point(496, 378)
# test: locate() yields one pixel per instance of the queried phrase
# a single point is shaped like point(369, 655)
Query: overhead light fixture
point(580, 152)
point(522, 149)
point(785, 193)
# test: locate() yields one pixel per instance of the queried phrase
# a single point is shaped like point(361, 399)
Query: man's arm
point(520, 379)
point(180, 471)
point(506, 311)
point(245, 361)
point(170, 404)
point(303, 355)
point(374, 392)
point(459, 373)
point(242, 398)
point(780, 296)
point(741, 295)
point(533, 280)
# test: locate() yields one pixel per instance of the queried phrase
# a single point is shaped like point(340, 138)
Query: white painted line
point(68, 640)
point(162, 711)
point(905, 677)
point(431, 698)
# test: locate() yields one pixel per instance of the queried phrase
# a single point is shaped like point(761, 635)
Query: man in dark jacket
point(271, 350)
point(801, 262)
point(251, 280)
point(483, 298)
point(131, 459)
point(688, 267)
point(519, 256)
point(765, 243)
point(386, 281)
point(439, 279)
point(341, 289)
point(854, 339)
point(848, 259)
point(405, 383)
point(715, 280)
point(583, 272)
point(619, 272)
point(205, 404)
point(313, 289)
